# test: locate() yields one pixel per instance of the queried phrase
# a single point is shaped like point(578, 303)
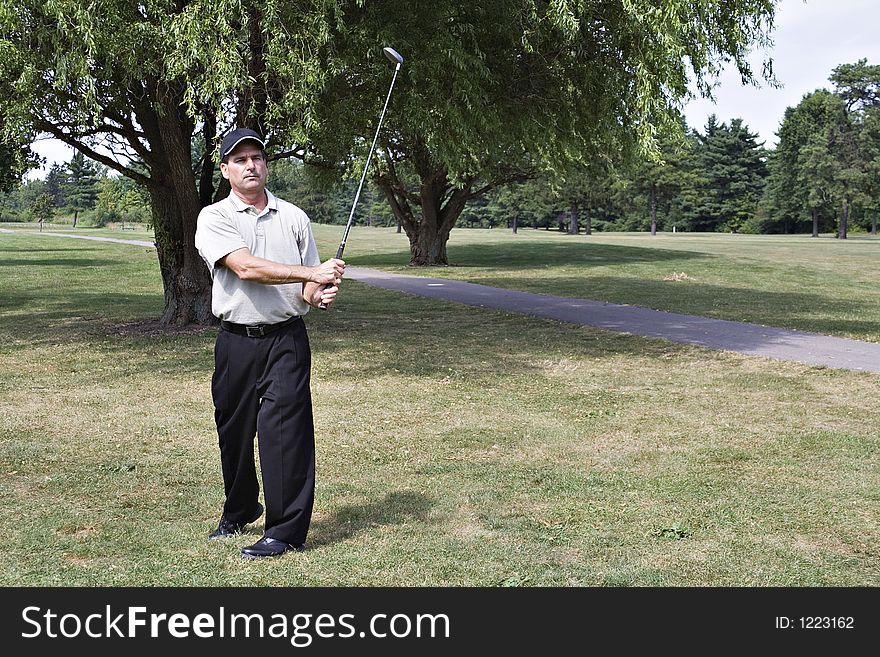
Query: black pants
point(261, 387)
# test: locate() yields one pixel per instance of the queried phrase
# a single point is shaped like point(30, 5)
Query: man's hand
point(321, 290)
point(329, 272)
point(322, 297)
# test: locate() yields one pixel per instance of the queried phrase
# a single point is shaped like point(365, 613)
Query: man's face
point(246, 169)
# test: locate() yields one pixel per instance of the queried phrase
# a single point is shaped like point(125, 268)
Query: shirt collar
point(241, 206)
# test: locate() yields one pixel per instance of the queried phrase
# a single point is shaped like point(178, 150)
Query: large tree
point(123, 83)
point(493, 92)
point(828, 157)
point(800, 183)
point(853, 139)
point(490, 92)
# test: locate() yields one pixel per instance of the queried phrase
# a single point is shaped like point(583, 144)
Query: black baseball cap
point(237, 136)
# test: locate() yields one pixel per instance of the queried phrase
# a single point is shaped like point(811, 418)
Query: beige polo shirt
point(281, 233)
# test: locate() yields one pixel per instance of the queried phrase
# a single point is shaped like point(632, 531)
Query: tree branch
point(70, 140)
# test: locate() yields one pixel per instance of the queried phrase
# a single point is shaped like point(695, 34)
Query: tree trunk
point(653, 208)
point(815, 212)
point(176, 201)
point(574, 226)
point(588, 225)
point(844, 220)
point(514, 223)
point(440, 203)
point(206, 176)
point(428, 248)
point(75, 215)
point(427, 234)
point(185, 276)
point(874, 223)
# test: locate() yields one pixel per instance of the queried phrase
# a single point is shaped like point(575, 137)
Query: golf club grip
point(339, 251)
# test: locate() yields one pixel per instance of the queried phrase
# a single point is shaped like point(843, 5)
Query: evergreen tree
point(664, 190)
point(57, 181)
point(81, 188)
point(735, 169)
point(815, 177)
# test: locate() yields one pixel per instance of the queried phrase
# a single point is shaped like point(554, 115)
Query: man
point(266, 274)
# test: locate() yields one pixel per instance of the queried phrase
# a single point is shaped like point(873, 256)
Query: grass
point(116, 231)
point(455, 447)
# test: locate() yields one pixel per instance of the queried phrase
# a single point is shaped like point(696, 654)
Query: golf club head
point(393, 55)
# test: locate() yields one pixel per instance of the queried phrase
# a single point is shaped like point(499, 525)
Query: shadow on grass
point(80, 257)
point(71, 317)
point(433, 336)
point(26, 261)
point(60, 262)
point(395, 508)
point(373, 334)
point(531, 255)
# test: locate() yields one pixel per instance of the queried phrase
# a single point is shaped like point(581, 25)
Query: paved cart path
point(750, 339)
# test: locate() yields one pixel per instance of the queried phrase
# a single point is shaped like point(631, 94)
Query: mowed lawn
point(456, 447)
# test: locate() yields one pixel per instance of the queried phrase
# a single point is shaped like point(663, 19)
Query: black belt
point(258, 330)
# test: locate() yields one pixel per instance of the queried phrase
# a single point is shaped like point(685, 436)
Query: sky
point(809, 39)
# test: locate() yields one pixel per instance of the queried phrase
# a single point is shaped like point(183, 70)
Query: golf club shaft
point(357, 196)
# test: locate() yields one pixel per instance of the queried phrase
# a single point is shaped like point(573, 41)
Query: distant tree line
point(705, 182)
point(80, 192)
point(823, 176)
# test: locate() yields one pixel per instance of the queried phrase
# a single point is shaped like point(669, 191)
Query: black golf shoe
point(228, 528)
point(269, 547)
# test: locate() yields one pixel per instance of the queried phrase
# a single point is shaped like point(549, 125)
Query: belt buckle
point(254, 331)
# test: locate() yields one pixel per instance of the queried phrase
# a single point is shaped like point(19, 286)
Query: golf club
point(397, 59)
